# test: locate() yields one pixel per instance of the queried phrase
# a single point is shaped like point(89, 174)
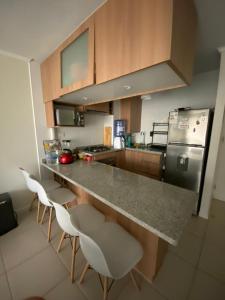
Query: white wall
point(215, 141)
point(18, 147)
point(201, 93)
point(219, 192)
point(218, 136)
point(41, 130)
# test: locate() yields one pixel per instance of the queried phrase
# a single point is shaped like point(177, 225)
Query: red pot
point(66, 158)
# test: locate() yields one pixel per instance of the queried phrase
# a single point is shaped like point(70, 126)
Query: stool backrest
point(63, 218)
point(35, 187)
point(42, 195)
point(94, 255)
point(30, 184)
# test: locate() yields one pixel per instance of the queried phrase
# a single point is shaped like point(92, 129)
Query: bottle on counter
point(52, 150)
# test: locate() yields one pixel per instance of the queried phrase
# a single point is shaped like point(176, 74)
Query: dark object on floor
point(7, 216)
point(34, 298)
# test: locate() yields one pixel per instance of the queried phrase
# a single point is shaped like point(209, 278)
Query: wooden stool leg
point(134, 281)
point(105, 288)
point(84, 273)
point(50, 224)
point(74, 249)
point(33, 200)
point(43, 214)
point(38, 211)
point(61, 241)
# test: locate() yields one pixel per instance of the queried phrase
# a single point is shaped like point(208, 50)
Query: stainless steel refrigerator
point(187, 149)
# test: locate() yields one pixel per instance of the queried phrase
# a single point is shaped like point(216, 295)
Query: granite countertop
point(159, 207)
point(112, 150)
point(127, 148)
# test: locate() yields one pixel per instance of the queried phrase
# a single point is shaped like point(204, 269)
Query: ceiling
point(34, 28)
point(211, 33)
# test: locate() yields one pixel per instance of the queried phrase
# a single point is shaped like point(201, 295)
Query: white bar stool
point(112, 252)
point(84, 216)
point(62, 196)
point(48, 184)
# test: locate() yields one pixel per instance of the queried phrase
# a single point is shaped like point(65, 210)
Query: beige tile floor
point(195, 270)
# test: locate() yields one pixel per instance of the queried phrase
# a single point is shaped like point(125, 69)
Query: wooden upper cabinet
point(130, 110)
point(50, 76)
point(49, 113)
point(105, 107)
point(131, 35)
point(77, 58)
point(146, 45)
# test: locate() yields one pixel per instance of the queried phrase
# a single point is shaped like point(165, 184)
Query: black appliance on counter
point(7, 216)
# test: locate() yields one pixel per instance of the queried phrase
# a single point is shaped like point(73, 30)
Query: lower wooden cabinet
point(146, 164)
point(110, 157)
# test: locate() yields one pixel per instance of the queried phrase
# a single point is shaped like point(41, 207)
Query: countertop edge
point(144, 150)
point(147, 227)
point(122, 149)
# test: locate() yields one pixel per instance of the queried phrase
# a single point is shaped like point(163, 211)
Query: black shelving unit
point(156, 131)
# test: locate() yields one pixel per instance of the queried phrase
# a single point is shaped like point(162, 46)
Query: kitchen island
point(154, 212)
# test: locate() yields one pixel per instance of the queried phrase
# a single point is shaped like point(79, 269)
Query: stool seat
point(120, 249)
point(49, 185)
point(61, 196)
point(86, 218)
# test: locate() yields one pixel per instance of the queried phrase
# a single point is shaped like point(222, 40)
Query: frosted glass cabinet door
point(74, 61)
point(77, 58)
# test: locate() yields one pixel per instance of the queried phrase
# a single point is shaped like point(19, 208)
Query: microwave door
point(65, 117)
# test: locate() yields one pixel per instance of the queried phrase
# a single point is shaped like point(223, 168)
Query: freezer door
point(188, 127)
point(184, 166)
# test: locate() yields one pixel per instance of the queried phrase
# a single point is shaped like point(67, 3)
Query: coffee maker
point(119, 134)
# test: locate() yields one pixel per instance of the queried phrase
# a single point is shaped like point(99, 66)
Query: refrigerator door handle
point(189, 145)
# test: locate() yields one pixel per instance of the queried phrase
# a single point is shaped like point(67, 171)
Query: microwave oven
point(68, 116)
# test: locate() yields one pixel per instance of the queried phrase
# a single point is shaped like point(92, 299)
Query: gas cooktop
point(96, 149)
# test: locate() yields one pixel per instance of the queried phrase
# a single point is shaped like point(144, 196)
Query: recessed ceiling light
point(127, 87)
point(85, 98)
point(146, 97)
